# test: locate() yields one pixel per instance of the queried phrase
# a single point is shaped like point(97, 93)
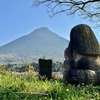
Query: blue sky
point(19, 18)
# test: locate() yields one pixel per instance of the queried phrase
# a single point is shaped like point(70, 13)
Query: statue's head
point(83, 40)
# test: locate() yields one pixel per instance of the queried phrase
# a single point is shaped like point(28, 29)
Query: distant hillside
point(41, 42)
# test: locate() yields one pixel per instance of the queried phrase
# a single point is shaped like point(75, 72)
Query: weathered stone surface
point(82, 77)
point(66, 65)
point(83, 62)
point(82, 57)
point(70, 52)
point(83, 40)
point(92, 63)
point(45, 68)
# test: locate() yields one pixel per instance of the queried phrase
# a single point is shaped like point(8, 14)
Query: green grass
point(28, 87)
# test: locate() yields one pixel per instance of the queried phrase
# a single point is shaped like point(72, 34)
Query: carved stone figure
point(82, 56)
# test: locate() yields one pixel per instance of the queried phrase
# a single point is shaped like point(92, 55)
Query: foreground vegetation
point(28, 87)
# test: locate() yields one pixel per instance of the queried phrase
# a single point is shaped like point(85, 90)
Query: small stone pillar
point(45, 68)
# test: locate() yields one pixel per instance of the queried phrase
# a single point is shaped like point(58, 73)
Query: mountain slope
point(41, 42)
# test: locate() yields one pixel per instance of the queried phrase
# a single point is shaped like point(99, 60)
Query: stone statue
point(82, 60)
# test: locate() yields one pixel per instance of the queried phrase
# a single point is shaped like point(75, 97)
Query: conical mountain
point(41, 42)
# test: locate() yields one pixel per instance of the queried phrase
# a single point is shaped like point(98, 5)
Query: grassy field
point(28, 87)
